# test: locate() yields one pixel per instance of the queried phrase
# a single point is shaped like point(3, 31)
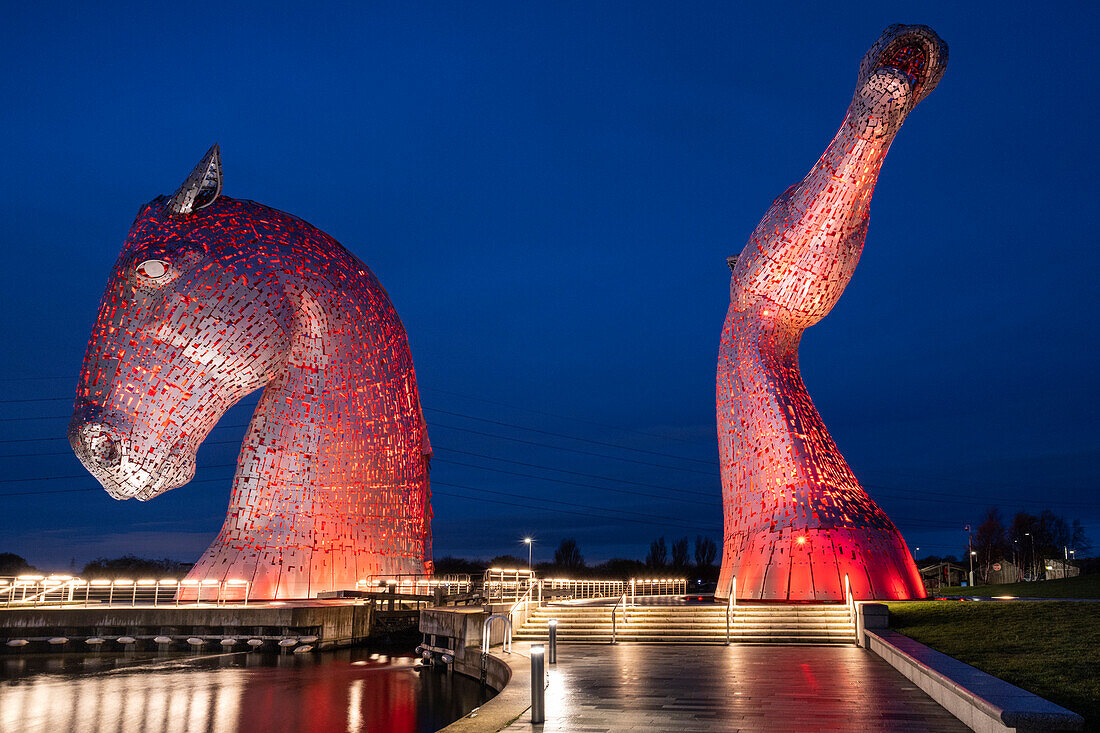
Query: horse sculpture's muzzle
point(110, 457)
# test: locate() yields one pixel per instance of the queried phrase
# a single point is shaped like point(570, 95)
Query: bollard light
point(553, 652)
point(538, 689)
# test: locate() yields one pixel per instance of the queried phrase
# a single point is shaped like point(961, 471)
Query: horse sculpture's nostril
point(100, 445)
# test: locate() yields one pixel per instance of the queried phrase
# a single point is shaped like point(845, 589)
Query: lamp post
point(1028, 534)
point(530, 544)
point(970, 551)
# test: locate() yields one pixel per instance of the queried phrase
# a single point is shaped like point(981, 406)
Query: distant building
point(1004, 571)
point(942, 575)
point(1060, 568)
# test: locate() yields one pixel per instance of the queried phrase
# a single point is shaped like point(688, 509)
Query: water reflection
point(352, 690)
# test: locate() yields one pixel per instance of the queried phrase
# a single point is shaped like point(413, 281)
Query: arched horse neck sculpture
point(213, 298)
point(796, 520)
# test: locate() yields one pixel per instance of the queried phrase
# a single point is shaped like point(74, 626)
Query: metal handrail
point(849, 599)
point(731, 608)
point(507, 644)
point(522, 598)
point(622, 600)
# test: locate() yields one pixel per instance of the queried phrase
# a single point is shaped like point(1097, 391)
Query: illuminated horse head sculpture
point(798, 524)
point(213, 298)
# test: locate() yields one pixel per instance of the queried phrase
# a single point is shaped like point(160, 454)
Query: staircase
point(771, 623)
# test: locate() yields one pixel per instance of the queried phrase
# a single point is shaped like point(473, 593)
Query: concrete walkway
point(685, 689)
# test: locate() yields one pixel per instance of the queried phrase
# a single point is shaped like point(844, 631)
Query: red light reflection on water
point(230, 693)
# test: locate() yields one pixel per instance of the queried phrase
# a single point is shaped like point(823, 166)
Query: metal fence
point(658, 587)
point(64, 590)
point(416, 584)
point(579, 589)
point(500, 584)
point(497, 585)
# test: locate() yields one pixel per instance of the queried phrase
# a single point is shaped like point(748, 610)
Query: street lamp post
point(1016, 560)
point(970, 550)
point(530, 544)
point(1033, 573)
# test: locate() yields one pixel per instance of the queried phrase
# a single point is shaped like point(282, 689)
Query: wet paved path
point(684, 689)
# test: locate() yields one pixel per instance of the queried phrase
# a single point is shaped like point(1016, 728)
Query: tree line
point(682, 557)
point(1028, 542)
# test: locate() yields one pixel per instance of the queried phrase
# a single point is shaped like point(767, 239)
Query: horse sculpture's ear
point(201, 187)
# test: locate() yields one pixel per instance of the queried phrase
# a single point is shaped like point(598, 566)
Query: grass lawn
point(1051, 648)
point(1083, 586)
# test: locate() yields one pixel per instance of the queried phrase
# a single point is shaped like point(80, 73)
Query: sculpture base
point(810, 565)
point(315, 572)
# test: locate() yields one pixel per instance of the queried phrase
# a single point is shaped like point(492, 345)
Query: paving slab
point(689, 689)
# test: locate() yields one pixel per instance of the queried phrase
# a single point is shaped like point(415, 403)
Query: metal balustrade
point(416, 584)
point(497, 585)
point(581, 589)
point(36, 591)
point(500, 584)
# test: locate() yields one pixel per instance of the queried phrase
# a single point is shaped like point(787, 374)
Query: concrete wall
point(334, 625)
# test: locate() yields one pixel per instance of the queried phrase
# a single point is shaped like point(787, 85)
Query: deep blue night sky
point(549, 192)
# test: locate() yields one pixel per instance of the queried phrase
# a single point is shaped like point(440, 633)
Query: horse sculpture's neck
point(332, 478)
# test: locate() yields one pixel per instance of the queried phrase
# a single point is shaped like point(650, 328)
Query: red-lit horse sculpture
point(213, 298)
point(797, 522)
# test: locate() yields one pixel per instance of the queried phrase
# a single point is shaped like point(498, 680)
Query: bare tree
point(567, 556)
point(658, 554)
point(990, 543)
point(680, 553)
point(705, 551)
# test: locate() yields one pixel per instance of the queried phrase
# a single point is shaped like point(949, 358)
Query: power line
point(631, 492)
point(939, 497)
point(615, 510)
point(502, 437)
point(571, 450)
point(573, 473)
point(613, 517)
point(913, 495)
point(421, 389)
point(36, 399)
point(569, 437)
point(554, 415)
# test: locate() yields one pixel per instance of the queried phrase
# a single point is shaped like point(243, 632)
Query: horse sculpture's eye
point(153, 269)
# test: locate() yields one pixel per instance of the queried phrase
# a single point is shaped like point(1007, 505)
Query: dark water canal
point(345, 690)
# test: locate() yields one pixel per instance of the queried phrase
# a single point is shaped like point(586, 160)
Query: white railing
point(499, 584)
point(415, 584)
point(658, 586)
point(65, 590)
point(581, 589)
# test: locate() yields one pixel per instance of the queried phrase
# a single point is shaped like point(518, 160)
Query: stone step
point(670, 638)
point(700, 637)
point(688, 627)
point(563, 628)
point(708, 622)
point(671, 612)
point(708, 619)
point(722, 622)
point(705, 619)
